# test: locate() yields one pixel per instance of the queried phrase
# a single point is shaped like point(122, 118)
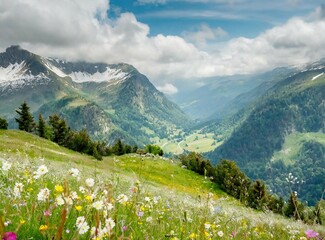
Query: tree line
point(227, 175)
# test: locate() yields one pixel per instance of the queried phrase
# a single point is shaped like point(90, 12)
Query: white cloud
point(204, 34)
point(168, 88)
point(79, 30)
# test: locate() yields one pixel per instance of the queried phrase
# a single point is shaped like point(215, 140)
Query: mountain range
point(111, 101)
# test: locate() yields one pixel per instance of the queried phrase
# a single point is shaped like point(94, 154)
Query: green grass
point(293, 143)
point(133, 198)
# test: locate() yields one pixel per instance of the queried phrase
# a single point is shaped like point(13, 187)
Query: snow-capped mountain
point(110, 100)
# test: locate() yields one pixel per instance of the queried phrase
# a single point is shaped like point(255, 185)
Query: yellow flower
point(88, 198)
point(78, 208)
point(29, 189)
point(22, 221)
point(143, 208)
point(206, 234)
point(193, 235)
point(59, 188)
point(43, 227)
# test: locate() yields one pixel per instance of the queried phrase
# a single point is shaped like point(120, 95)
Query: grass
point(293, 143)
point(126, 197)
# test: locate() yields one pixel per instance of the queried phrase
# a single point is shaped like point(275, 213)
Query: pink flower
point(124, 228)
point(9, 236)
point(311, 234)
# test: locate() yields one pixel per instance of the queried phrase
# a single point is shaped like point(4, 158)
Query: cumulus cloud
point(168, 88)
point(80, 30)
point(204, 34)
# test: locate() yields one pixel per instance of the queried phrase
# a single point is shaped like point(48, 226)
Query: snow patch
point(317, 76)
point(54, 69)
point(13, 72)
point(108, 75)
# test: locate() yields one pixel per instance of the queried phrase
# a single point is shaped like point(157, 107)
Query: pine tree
point(41, 128)
point(60, 130)
point(3, 123)
point(25, 120)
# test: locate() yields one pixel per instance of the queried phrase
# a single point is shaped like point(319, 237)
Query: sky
point(173, 42)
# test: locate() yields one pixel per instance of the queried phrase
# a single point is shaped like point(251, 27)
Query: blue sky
point(175, 43)
point(245, 18)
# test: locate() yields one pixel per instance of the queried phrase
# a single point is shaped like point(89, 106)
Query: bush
point(3, 123)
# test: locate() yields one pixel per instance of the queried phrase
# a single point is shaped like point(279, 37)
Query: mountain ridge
point(127, 98)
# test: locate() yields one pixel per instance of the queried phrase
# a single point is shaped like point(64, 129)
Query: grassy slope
point(164, 177)
point(293, 143)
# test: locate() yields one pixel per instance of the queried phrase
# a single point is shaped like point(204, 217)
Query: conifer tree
point(41, 128)
point(3, 123)
point(25, 120)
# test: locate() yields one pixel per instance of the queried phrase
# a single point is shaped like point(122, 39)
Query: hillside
point(292, 106)
point(145, 196)
point(122, 102)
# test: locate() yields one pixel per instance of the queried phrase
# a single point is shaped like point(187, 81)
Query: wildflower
point(156, 199)
point(193, 236)
point(82, 189)
point(311, 234)
point(147, 199)
point(140, 214)
point(43, 195)
point(68, 200)
point(149, 219)
point(9, 236)
point(22, 221)
point(82, 225)
point(89, 198)
point(207, 226)
point(59, 188)
point(110, 224)
point(47, 213)
point(59, 201)
point(78, 208)
point(40, 171)
point(122, 198)
point(83, 228)
point(98, 205)
point(220, 233)
point(74, 172)
point(74, 195)
point(124, 228)
point(6, 166)
point(109, 206)
point(43, 227)
point(90, 182)
point(18, 189)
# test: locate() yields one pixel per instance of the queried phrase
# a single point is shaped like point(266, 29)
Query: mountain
point(293, 106)
point(111, 100)
point(227, 94)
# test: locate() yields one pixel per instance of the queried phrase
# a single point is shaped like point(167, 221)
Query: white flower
point(147, 199)
point(80, 220)
point(40, 171)
point(156, 199)
point(74, 195)
point(122, 198)
point(68, 200)
point(207, 226)
point(110, 224)
point(98, 205)
point(59, 201)
point(220, 233)
point(90, 182)
point(18, 189)
point(149, 219)
point(74, 172)
point(83, 228)
point(82, 189)
point(109, 206)
point(43, 195)
point(6, 166)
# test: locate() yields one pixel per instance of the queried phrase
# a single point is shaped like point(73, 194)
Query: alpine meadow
point(162, 119)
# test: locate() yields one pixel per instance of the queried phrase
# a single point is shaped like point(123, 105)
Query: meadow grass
point(126, 197)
